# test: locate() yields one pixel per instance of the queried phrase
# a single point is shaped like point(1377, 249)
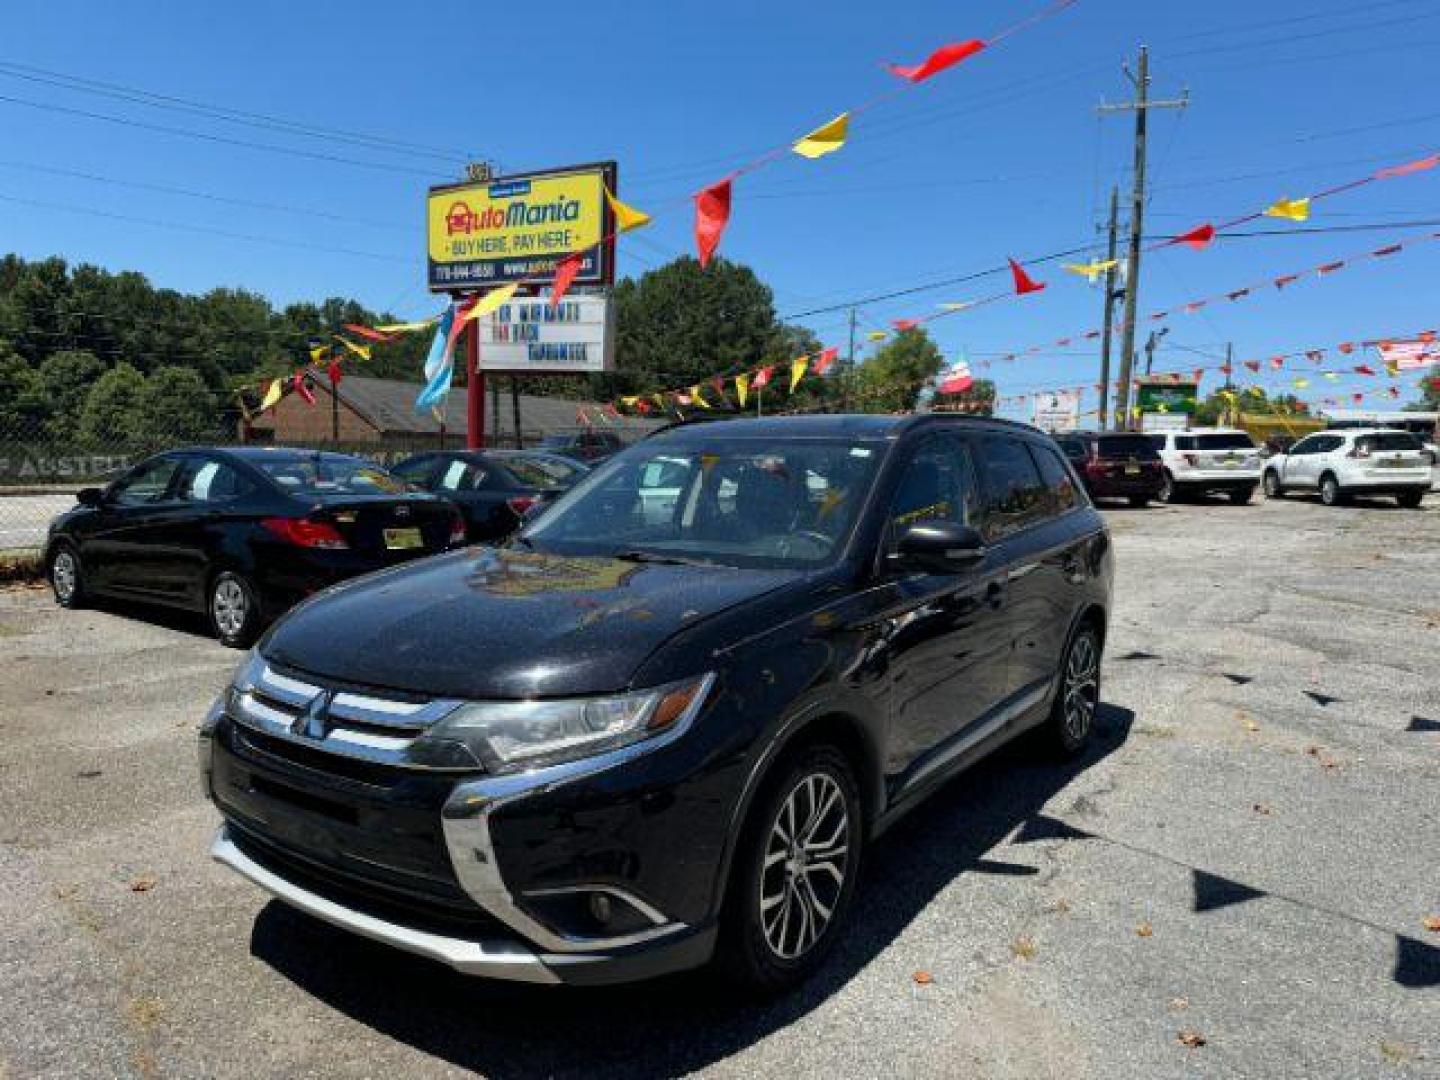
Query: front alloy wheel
point(795, 872)
point(1330, 491)
point(1078, 697)
point(66, 578)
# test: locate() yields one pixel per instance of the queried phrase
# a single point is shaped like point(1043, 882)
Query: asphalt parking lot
point(1245, 863)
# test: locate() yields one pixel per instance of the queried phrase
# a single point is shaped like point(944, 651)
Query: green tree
point(111, 414)
point(175, 407)
point(891, 380)
point(20, 404)
point(64, 380)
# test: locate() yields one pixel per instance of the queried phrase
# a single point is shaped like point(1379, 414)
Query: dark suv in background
point(1115, 465)
point(586, 446)
point(664, 723)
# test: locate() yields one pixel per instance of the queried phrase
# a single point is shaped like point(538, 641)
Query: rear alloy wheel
point(1072, 720)
point(1330, 493)
point(234, 614)
point(67, 579)
point(1273, 490)
point(1166, 494)
point(795, 874)
point(1410, 500)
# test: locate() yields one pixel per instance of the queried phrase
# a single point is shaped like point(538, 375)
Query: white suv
point(1353, 461)
point(1208, 459)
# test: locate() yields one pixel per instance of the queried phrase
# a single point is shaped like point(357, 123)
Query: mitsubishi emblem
point(314, 720)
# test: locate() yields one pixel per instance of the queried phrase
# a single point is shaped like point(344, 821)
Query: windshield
point(541, 472)
point(322, 473)
point(735, 502)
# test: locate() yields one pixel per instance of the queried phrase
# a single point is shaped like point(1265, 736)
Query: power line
point(15, 70)
point(313, 155)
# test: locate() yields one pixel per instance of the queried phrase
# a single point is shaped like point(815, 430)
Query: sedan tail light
point(457, 532)
point(303, 532)
point(1193, 460)
point(520, 504)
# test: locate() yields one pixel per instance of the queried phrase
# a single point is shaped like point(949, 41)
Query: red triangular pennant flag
point(1238, 293)
point(1391, 250)
point(826, 358)
point(1226, 369)
point(944, 57)
point(905, 324)
point(299, 385)
point(1330, 268)
point(1253, 365)
point(762, 377)
point(1346, 347)
point(1286, 279)
point(1316, 355)
point(1410, 167)
point(565, 272)
point(1357, 398)
point(1197, 238)
point(333, 370)
point(712, 214)
point(1364, 369)
point(1023, 282)
point(1277, 362)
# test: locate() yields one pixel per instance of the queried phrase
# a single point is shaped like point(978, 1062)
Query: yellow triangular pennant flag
point(317, 352)
point(825, 139)
point(1301, 384)
point(626, 217)
point(629, 402)
point(407, 327)
point(362, 351)
point(1331, 376)
point(274, 394)
point(797, 371)
point(876, 335)
point(742, 388)
point(1091, 271)
point(697, 397)
point(1290, 209)
point(491, 301)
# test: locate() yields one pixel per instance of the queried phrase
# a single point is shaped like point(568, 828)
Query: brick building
point(379, 414)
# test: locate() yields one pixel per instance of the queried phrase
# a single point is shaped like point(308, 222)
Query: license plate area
point(402, 539)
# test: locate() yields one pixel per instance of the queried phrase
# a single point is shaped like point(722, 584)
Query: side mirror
point(939, 546)
point(91, 496)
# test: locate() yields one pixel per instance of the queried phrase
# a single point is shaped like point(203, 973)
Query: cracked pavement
point(1247, 857)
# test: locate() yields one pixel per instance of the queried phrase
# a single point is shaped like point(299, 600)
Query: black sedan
point(494, 489)
point(240, 534)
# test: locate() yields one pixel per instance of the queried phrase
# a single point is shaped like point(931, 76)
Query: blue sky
point(1003, 155)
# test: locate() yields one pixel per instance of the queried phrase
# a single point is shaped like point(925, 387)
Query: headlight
point(510, 735)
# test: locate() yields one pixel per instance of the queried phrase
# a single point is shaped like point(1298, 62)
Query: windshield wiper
point(659, 557)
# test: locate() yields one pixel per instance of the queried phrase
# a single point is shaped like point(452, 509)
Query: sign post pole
point(474, 390)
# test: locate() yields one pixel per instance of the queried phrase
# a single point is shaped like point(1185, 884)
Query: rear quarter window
point(1124, 446)
point(1388, 442)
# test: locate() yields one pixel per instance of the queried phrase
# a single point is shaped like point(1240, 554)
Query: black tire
point(746, 953)
point(1410, 500)
point(66, 575)
point(1077, 698)
point(233, 610)
point(1273, 490)
point(1167, 493)
point(1330, 493)
point(1243, 496)
point(1139, 502)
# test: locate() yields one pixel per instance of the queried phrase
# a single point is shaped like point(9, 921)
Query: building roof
point(389, 405)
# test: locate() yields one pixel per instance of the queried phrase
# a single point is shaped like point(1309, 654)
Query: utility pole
point(1150, 343)
point(1109, 329)
point(1232, 413)
point(1141, 106)
point(849, 372)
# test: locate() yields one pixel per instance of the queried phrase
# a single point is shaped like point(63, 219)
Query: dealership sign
point(574, 336)
point(1057, 412)
point(516, 228)
point(1167, 396)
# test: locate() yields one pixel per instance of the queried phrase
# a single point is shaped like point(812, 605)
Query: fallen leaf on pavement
point(1023, 947)
point(1432, 923)
point(1190, 1038)
point(923, 978)
point(1179, 1003)
point(1061, 906)
point(1144, 930)
point(1264, 808)
point(142, 884)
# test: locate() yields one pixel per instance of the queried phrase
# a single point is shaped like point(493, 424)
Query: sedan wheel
point(1330, 491)
point(66, 578)
point(795, 872)
point(233, 614)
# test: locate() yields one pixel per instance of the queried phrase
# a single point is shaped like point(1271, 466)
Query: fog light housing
point(583, 912)
point(600, 909)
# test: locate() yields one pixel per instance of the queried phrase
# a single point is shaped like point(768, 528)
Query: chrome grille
point(338, 721)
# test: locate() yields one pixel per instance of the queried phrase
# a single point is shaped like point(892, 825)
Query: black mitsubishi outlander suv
point(661, 726)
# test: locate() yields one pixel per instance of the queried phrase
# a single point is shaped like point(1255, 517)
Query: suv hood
point(488, 623)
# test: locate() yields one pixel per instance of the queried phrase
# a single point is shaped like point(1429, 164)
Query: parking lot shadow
point(681, 1023)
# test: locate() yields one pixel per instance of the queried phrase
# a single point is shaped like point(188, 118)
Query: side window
point(461, 476)
point(147, 483)
point(1014, 494)
point(210, 481)
point(1328, 443)
point(936, 486)
point(1058, 480)
point(1303, 447)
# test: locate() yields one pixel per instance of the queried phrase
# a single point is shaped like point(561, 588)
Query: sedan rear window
point(1237, 440)
point(540, 472)
point(1122, 446)
point(323, 473)
point(1389, 441)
